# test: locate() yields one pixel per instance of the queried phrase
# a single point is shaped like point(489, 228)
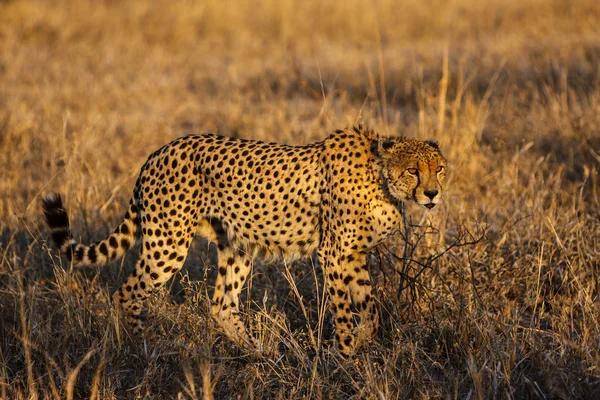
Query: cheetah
point(339, 197)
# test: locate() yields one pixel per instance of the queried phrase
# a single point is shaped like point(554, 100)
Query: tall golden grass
point(493, 295)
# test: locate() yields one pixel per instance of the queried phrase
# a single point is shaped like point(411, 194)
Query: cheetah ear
point(383, 146)
point(380, 146)
point(387, 144)
point(433, 144)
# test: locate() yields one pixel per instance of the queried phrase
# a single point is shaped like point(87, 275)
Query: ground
point(492, 294)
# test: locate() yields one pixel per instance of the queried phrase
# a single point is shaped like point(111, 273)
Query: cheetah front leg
point(339, 299)
point(356, 273)
point(234, 267)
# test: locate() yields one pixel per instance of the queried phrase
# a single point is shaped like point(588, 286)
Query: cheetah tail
point(96, 254)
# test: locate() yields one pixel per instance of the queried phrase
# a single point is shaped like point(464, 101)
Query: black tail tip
point(51, 201)
point(56, 215)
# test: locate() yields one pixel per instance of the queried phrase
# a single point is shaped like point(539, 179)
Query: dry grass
point(507, 306)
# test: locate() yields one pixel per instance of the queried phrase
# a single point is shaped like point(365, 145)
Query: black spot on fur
point(69, 251)
point(103, 249)
point(92, 256)
point(125, 244)
point(79, 253)
point(124, 229)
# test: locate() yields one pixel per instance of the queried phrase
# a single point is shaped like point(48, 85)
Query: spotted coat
point(339, 197)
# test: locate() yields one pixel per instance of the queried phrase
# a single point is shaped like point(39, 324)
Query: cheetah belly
point(286, 237)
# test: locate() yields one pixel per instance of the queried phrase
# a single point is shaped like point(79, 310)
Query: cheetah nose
point(431, 193)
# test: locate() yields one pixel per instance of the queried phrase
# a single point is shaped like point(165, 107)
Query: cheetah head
point(412, 170)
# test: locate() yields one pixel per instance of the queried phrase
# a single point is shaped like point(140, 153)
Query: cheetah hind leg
point(151, 272)
point(234, 268)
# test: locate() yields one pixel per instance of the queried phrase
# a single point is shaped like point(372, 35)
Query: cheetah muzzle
point(339, 197)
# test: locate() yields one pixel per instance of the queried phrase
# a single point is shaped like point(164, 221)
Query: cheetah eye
point(412, 171)
point(440, 168)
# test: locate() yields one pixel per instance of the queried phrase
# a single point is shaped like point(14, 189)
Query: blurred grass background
point(510, 89)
